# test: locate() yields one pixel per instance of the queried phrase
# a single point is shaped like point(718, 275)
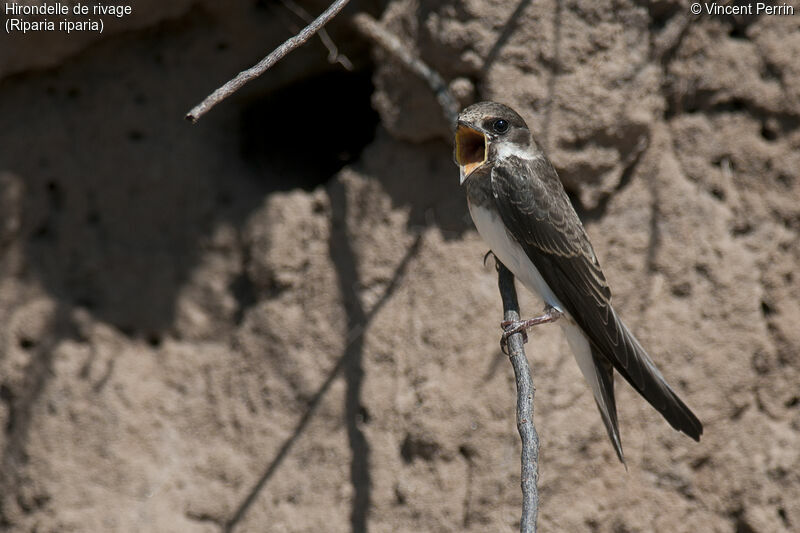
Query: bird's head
point(487, 130)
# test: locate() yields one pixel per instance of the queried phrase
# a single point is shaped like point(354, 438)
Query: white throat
point(503, 150)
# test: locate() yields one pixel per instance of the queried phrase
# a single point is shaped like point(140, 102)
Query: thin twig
point(333, 51)
point(255, 71)
point(370, 28)
point(525, 393)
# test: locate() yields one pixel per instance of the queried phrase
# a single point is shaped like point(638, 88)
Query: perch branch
point(370, 28)
point(525, 393)
point(257, 70)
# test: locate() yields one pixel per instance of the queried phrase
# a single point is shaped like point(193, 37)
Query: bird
point(520, 209)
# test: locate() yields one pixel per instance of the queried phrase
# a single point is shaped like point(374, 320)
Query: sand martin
point(521, 210)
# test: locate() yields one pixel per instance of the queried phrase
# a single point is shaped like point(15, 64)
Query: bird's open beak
point(470, 150)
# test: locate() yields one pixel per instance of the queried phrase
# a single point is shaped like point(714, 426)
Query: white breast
point(508, 250)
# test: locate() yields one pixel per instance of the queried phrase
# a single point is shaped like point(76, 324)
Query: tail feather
point(599, 373)
point(597, 366)
point(606, 404)
point(655, 389)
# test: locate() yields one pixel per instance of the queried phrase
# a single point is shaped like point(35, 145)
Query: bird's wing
point(535, 209)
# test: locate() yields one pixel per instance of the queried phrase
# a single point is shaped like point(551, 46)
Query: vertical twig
point(370, 28)
point(525, 393)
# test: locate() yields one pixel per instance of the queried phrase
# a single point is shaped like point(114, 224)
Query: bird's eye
point(500, 126)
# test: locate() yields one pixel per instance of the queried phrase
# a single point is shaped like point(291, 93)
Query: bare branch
point(370, 28)
point(333, 51)
point(525, 393)
point(255, 71)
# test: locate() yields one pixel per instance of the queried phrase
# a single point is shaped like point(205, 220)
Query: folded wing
point(536, 210)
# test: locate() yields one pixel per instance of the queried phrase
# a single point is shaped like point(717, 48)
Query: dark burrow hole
point(154, 340)
point(26, 343)
point(301, 135)
point(768, 132)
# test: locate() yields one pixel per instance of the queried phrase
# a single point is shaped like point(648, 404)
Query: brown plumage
point(519, 206)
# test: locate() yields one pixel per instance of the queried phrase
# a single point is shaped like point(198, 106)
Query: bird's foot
point(512, 327)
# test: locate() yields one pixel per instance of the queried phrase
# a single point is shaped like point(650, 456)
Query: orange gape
point(470, 149)
point(469, 167)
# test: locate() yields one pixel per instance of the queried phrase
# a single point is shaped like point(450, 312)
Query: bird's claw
point(510, 327)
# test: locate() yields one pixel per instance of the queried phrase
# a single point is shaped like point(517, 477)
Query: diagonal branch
point(525, 393)
point(257, 70)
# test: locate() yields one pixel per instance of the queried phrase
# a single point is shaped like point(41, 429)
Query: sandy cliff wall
point(278, 319)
